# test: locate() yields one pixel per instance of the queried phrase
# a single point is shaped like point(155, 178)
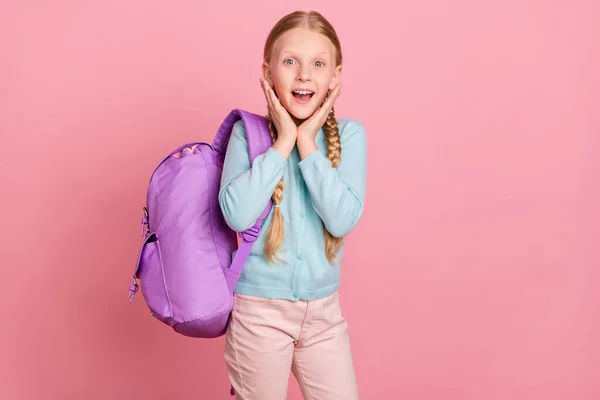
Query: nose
point(303, 74)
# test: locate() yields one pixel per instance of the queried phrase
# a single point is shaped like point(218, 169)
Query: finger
point(339, 91)
point(265, 89)
point(333, 96)
point(323, 112)
point(274, 99)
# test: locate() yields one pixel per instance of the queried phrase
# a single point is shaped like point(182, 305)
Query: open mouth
point(303, 96)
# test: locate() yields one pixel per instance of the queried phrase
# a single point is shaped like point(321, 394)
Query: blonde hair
point(317, 23)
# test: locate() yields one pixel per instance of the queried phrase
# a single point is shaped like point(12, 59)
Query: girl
point(286, 313)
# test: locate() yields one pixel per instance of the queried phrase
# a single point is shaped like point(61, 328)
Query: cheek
point(280, 82)
point(321, 97)
point(280, 74)
point(323, 89)
point(325, 81)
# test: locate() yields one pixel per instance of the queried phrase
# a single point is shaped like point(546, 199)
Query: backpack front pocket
point(149, 270)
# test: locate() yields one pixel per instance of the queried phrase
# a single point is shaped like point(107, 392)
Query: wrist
point(306, 146)
point(284, 145)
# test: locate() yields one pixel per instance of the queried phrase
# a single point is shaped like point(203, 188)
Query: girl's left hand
point(309, 128)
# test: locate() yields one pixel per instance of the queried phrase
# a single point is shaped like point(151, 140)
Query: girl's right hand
point(286, 128)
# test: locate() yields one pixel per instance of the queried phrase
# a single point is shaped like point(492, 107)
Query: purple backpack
point(184, 265)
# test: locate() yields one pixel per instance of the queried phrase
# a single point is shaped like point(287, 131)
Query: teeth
point(302, 92)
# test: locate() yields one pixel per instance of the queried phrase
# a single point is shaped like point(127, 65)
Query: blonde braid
point(274, 236)
point(334, 152)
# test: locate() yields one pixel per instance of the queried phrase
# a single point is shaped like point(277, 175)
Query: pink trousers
point(268, 338)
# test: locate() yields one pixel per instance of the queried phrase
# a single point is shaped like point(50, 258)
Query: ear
point(266, 70)
point(337, 74)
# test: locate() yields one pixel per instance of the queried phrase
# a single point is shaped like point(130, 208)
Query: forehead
point(303, 42)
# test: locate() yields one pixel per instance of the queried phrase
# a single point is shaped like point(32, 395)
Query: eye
point(289, 61)
point(319, 64)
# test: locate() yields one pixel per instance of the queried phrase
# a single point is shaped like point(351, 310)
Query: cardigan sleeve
point(338, 194)
point(245, 191)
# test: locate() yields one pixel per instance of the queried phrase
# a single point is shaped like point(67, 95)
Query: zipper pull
point(133, 289)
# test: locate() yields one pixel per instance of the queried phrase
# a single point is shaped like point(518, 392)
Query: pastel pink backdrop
point(473, 274)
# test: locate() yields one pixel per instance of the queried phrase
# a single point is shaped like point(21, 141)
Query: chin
point(302, 114)
point(301, 111)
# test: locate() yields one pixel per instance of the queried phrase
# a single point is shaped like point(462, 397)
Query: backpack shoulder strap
point(259, 141)
point(257, 133)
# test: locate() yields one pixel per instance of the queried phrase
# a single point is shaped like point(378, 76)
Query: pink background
point(474, 272)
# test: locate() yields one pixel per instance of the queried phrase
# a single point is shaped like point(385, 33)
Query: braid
point(274, 237)
point(334, 151)
point(332, 134)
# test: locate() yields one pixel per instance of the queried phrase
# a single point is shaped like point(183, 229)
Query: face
point(301, 70)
